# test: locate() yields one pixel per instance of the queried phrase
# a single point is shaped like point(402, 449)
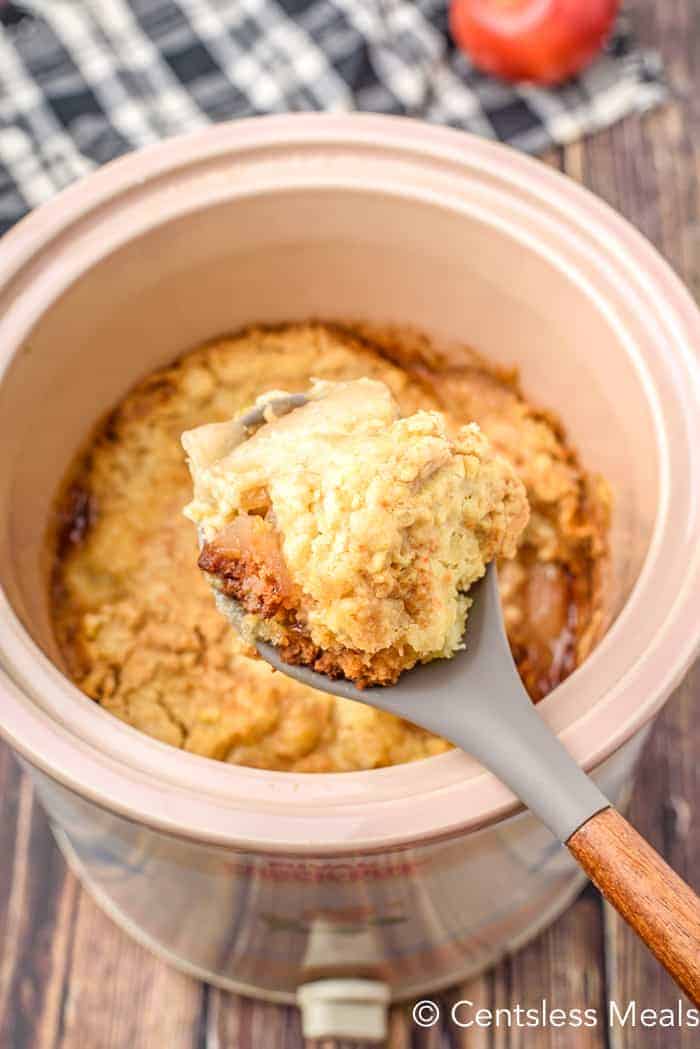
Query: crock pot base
point(562, 901)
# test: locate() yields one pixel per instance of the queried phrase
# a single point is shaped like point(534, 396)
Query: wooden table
point(69, 979)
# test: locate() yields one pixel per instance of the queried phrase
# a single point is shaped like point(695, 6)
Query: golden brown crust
point(250, 568)
point(380, 668)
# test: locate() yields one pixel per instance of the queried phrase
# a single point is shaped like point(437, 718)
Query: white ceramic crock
point(419, 874)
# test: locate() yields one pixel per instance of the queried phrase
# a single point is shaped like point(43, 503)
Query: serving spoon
point(477, 701)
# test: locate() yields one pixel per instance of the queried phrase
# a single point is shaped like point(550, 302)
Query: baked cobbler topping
point(373, 527)
point(134, 616)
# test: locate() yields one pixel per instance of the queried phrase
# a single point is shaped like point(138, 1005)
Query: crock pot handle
point(344, 1008)
point(640, 885)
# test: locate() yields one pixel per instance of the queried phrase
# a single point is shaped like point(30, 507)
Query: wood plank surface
point(69, 979)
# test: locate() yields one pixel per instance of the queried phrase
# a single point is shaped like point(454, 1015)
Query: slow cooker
point(414, 876)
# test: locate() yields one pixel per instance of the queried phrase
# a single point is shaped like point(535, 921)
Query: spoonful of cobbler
point(350, 536)
point(355, 551)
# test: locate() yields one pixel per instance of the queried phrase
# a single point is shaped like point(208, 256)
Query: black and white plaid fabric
point(82, 81)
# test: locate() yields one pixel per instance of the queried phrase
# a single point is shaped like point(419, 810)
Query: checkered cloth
point(82, 81)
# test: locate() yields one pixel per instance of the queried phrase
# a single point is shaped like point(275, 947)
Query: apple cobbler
point(134, 617)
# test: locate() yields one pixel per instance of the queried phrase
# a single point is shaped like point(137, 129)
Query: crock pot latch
point(344, 1008)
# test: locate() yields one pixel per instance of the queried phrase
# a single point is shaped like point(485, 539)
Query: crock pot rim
point(344, 128)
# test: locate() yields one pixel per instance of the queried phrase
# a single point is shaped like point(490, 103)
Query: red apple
point(542, 41)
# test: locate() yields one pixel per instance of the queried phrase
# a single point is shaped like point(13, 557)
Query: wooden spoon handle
point(659, 906)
